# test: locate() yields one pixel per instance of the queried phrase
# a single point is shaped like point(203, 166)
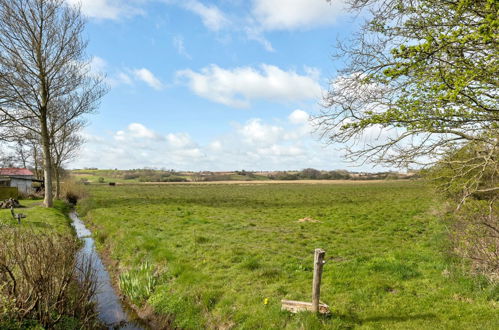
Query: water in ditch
point(109, 307)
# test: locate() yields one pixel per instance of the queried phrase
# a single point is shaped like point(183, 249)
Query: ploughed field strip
point(226, 255)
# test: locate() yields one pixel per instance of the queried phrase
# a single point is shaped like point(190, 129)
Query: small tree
point(42, 68)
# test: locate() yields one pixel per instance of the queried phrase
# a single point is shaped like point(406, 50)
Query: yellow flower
point(265, 301)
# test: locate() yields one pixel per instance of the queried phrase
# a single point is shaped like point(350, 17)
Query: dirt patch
point(308, 219)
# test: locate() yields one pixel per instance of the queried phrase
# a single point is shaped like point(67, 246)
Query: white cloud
point(299, 117)
point(178, 43)
point(148, 77)
point(213, 18)
point(98, 64)
point(136, 131)
point(252, 145)
point(106, 9)
point(215, 145)
point(239, 86)
point(180, 140)
point(124, 78)
point(140, 131)
point(255, 132)
point(256, 33)
point(295, 14)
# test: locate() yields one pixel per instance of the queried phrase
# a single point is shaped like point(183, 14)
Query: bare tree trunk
point(35, 153)
point(57, 173)
point(47, 162)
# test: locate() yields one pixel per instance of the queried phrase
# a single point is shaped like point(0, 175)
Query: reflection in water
point(109, 307)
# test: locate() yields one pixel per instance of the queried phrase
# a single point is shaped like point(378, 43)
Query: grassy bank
point(224, 256)
point(40, 218)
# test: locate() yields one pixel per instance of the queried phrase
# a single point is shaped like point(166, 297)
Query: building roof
point(15, 171)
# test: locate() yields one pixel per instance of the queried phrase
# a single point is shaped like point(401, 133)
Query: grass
point(225, 255)
point(40, 218)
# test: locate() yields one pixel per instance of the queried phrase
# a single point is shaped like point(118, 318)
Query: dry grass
point(476, 236)
point(43, 282)
point(73, 191)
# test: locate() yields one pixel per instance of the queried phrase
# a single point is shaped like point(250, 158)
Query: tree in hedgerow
point(420, 83)
point(420, 88)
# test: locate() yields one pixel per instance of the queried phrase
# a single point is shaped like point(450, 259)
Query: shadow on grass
point(38, 224)
point(352, 318)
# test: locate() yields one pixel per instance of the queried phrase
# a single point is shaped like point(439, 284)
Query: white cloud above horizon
point(263, 15)
point(179, 44)
point(240, 86)
point(123, 76)
point(296, 14)
point(149, 78)
point(253, 145)
point(211, 16)
point(299, 117)
point(107, 9)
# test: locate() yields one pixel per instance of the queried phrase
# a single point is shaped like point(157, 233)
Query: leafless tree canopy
point(45, 78)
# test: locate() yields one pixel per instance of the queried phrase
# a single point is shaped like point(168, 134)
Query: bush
point(476, 236)
point(42, 282)
point(469, 177)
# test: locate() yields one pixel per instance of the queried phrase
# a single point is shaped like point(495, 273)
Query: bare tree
point(43, 66)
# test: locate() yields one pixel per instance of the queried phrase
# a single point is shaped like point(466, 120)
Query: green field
point(220, 251)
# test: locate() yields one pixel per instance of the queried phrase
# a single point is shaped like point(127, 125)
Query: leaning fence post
point(316, 284)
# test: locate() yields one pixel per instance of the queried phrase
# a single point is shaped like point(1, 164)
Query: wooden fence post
point(316, 284)
point(315, 306)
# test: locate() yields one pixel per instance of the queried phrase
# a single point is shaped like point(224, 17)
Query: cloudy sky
point(212, 85)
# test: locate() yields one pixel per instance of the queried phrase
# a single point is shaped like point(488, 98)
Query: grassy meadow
point(223, 256)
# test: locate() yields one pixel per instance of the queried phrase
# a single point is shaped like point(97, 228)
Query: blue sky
point(212, 85)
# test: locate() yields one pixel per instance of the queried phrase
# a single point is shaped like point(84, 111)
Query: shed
point(21, 178)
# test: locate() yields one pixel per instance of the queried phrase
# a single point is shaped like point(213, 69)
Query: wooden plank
point(316, 284)
point(294, 306)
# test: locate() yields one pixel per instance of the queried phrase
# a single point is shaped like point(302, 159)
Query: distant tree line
point(153, 175)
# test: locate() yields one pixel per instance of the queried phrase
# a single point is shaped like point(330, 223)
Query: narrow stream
point(109, 308)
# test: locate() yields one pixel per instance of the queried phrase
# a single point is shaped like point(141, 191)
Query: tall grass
point(72, 191)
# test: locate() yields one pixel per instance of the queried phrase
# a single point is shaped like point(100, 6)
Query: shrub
point(42, 282)
point(469, 177)
point(476, 236)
